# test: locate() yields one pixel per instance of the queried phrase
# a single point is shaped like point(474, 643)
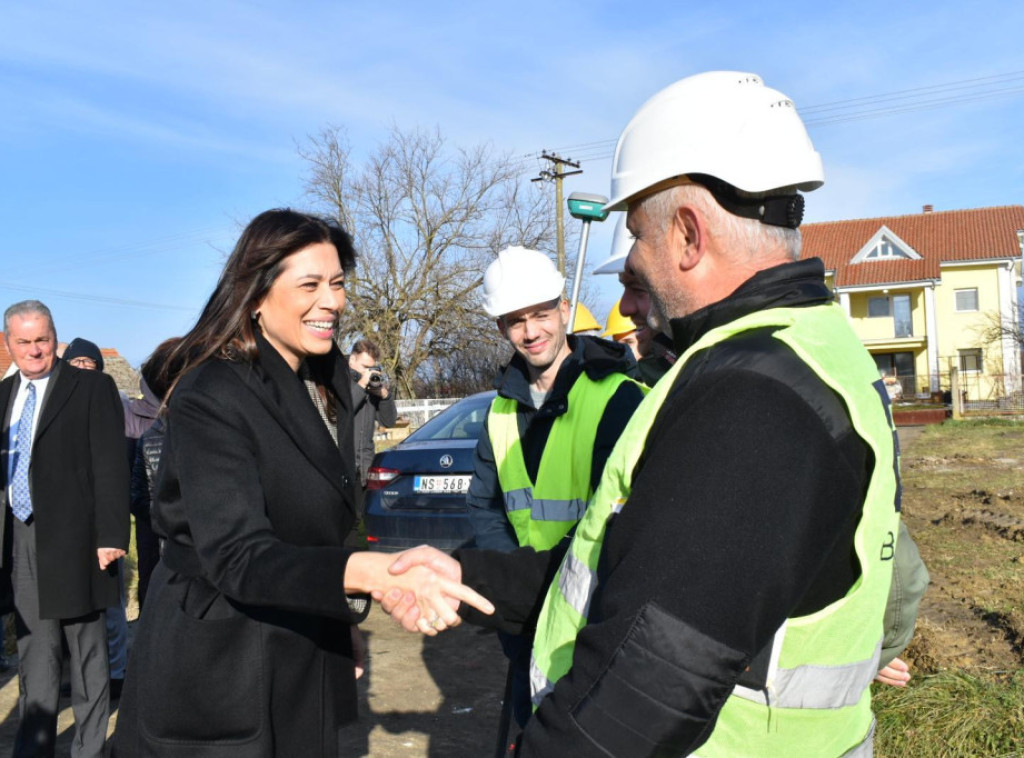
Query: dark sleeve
point(616, 415)
point(909, 582)
point(110, 474)
point(213, 450)
point(387, 411)
point(735, 509)
point(140, 483)
point(491, 527)
point(516, 582)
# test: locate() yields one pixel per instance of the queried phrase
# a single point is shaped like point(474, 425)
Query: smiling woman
point(299, 314)
point(248, 644)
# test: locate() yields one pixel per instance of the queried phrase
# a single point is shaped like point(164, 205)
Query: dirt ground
point(442, 696)
point(964, 505)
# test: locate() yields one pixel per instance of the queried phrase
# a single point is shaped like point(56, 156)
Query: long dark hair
point(225, 327)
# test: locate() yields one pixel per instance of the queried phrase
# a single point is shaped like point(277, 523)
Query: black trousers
point(39, 664)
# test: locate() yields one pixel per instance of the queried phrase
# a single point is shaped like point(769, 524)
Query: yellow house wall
point(884, 328)
point(963, 330)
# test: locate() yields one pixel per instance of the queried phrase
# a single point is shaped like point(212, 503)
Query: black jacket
point(244, 647)
point(144, 468)
point(79, 480)
point(742, 513)
point(598, 358)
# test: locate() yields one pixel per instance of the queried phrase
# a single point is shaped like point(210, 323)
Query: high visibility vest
point(542, 512)
point(817, 698)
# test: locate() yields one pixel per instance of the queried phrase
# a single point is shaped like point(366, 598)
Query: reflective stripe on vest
point(821, 665)
point(542, 512)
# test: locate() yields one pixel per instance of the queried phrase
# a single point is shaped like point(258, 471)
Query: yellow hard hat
point(584, 320)
point(617, 323)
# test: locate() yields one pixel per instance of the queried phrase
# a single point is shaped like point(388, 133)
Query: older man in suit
point(66, 485)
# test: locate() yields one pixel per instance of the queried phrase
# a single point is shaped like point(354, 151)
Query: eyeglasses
point(82, 362)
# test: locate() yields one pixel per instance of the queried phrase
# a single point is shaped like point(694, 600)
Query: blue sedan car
point(416, 491)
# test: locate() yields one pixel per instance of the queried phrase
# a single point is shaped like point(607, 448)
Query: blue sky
point(137, 138)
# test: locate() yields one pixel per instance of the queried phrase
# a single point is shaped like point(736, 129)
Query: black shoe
point(115, 688)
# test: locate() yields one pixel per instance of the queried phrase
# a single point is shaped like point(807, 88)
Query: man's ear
point(500, 323)
point(688, 236)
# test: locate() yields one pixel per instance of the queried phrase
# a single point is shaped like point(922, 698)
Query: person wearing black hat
point(83, 354)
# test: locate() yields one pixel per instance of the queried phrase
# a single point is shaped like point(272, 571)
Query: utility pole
point(556, 175)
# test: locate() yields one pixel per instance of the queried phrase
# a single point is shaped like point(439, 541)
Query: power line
point(983, 81)
point(97, 298)
point(859, 108)
point(151, 247)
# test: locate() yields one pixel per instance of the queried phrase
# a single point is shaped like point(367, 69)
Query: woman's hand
point(426, 582)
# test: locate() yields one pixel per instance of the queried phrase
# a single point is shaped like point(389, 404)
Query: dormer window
point(885, 245)
point(885, 248)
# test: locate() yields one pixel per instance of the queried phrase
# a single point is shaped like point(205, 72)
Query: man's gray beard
point(657, 317)
point(663, 310)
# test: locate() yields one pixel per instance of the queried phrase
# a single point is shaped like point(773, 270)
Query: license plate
point(443, 485)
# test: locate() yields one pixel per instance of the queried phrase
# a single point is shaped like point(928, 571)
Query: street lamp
point(586, 207)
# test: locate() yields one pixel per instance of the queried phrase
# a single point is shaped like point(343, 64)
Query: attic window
point(885, 249)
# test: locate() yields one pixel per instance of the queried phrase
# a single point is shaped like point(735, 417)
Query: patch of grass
point(987, 421)
point(951, 714)
point(963, 487)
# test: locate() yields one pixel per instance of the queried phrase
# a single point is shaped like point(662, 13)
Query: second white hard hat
point(622, 242)
point(519, 278)
point(724, 124)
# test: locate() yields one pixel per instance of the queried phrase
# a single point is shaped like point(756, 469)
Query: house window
point(903, 322)
point(970, 359)
point(895, 364)
point(966, 300)
point(885, 248)
point(878, 307)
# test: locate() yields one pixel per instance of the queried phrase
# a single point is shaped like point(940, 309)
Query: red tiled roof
point(5, 356)
point(978, 234)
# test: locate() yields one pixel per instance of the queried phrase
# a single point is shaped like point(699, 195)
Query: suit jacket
point(80, 488)
point(244, 647)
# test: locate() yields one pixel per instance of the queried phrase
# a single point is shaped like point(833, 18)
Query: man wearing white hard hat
point(724, 593)
point(562, 403)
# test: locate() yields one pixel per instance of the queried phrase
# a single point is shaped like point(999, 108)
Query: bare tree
point(427, 219)
point(996, 329)
point(471, 368)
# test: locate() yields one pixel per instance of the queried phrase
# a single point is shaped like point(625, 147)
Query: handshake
point(421, 589)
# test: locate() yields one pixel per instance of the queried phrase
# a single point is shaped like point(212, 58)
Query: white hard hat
point(520, 278)
point(723, 124)
point(622, 242)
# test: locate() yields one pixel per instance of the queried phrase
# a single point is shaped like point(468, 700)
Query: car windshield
point(463, 421)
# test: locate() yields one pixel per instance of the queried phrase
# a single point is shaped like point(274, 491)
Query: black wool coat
point(244, 648)
point(80, 489)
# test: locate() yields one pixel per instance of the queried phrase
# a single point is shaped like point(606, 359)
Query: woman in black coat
point(246, 646)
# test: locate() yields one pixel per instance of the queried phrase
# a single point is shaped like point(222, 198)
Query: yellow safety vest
point(542, 512)
point(817, 699)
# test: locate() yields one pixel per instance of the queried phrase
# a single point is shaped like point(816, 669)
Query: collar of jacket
point(788, 285)
point(286, 397)
point(597, 357)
